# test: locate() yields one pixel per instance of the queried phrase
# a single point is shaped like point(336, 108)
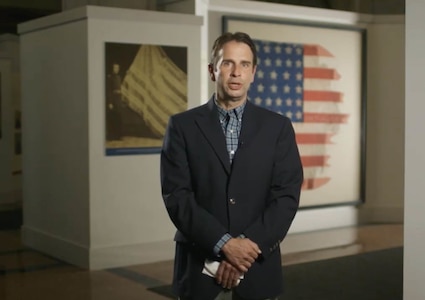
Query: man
point(231, 176)
point(114, 109)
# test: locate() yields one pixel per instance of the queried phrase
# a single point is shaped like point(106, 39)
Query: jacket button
point(232, 201)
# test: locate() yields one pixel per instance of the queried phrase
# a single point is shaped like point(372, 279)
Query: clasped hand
point(240, 254)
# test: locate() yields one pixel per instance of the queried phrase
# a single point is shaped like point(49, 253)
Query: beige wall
point(385, 121)
point(414, 229)
point(55, 158)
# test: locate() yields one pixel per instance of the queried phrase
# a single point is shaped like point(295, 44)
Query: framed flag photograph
point(144, 85)
point(314, 74)
point(1, 112)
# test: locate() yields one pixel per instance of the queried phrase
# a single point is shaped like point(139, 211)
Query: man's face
point(234, 72)
point(115, 68)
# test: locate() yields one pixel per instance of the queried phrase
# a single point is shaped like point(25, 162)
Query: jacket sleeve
point(269, 230)
point(195, 223)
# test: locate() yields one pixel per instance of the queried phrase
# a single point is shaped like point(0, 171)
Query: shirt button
point(232, 201)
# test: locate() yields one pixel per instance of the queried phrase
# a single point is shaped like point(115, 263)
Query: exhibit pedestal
point(10, 125)
point(81, 206)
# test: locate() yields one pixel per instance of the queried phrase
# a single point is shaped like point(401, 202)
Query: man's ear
point(254, 70)
point(211, 71)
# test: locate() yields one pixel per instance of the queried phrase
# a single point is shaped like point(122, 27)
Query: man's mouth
point(235, 85)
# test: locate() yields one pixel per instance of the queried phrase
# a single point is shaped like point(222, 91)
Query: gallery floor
point(26, 274)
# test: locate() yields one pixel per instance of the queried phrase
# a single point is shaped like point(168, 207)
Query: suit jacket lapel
point(209, 124)
point(250, 125)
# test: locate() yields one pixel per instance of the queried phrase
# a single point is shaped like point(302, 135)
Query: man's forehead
point(227, 50)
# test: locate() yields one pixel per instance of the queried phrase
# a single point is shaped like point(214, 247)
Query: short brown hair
point(239, 37)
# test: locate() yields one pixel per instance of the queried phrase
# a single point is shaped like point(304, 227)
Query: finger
point(227, 279)
point(241, 265)
point(228, 284)
point(254, 246)
point(232, 283)
point(251, 258)
point(219, 274)
point(235, 282)
point(253, 253)
point(254, 256)
point(233, 278)
point(233, 275)
point(242, 268)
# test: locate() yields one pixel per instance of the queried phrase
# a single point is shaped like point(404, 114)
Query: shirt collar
point(238, 111)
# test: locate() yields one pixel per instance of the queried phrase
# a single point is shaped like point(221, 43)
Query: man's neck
point(229, 104)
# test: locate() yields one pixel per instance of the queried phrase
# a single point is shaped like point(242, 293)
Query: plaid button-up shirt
point(231, 122)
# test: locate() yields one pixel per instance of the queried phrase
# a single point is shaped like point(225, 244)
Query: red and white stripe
point(322, 116)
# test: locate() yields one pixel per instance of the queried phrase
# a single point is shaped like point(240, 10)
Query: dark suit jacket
point(206, 196)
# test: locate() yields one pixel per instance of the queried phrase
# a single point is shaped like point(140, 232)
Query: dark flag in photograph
point(300, 81)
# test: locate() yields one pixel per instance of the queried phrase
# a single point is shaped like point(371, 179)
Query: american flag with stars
point(300, 82)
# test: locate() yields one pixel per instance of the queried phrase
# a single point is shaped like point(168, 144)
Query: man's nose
point(236, 70)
